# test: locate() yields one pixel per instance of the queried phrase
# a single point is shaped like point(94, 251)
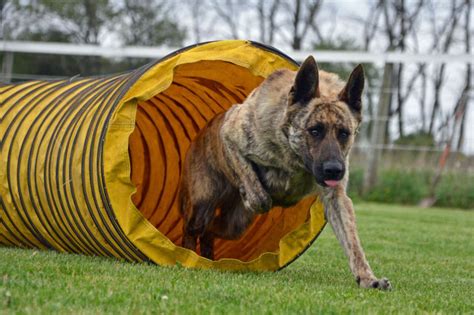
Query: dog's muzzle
point(329, 173)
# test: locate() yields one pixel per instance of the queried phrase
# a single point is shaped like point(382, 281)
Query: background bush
point(410, 187)
point(456, 189)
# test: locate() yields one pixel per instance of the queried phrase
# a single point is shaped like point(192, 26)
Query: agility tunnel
point(92, 165)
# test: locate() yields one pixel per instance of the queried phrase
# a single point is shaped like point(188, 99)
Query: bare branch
point(439, 77)
point(371, 23)
point(227, 11)
point(267, 20)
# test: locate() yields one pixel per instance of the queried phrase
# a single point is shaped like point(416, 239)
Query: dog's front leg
point(254, 197)
point(340, 214)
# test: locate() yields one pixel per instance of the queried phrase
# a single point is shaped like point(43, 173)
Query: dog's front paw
point(371, 283)
point(256, 201)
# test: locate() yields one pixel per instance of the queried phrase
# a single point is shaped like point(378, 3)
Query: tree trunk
point(424, 83)
point(261, 20)
point(401, 43)
point(437, 98)
point(467, 88)
point(374, 152)
point(401, 100)
point(272, 21)
point(454, 19)
point(296, 42)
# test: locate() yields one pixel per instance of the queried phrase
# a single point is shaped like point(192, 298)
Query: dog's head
point(322, 120)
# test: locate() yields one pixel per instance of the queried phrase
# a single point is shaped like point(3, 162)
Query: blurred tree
point(302, 18)
point(229, 12)
point(401, 25)
point(267, 15)
point(201, 21)
point(292, 21)
point(399, 20)
point(138, 22)
point(73, 21)
point(148, 23)
point(408, 20)
point(78, 21)
point(396, 23)
point(443, 38)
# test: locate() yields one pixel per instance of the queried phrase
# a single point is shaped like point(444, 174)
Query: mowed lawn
point(427, 254)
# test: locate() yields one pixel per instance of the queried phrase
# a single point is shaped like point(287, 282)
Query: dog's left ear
point(306, 85)
point(352, 92)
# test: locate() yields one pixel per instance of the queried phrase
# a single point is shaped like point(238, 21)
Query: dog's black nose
point(333, 170)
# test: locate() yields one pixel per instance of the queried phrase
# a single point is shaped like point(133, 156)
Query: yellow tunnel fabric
point(92, 165)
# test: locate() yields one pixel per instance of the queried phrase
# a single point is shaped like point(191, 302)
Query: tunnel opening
point(165, 126)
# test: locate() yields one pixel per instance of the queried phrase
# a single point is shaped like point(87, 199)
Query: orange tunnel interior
point(165, 126)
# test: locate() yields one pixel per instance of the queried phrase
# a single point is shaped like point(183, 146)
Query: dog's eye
point(344, 134)
point(317, 131)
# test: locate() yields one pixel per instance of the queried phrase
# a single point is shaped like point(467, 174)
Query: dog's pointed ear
point(306, 85)
point(352, 92)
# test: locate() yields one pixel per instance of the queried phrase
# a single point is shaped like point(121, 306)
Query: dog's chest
point(286, 188)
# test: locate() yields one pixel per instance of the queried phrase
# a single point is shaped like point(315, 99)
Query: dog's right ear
point(306, 85)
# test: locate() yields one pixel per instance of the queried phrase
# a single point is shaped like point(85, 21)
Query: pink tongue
point(331, 183)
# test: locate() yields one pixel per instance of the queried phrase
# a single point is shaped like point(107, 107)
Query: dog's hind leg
point(189, 241)
point(340, 214)
point(230, 224)
point(206, 242)
point(197, 224)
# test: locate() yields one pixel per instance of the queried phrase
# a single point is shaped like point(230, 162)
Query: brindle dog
point(289, 139)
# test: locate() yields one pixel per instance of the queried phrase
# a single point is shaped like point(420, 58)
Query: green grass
point(427, 254)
